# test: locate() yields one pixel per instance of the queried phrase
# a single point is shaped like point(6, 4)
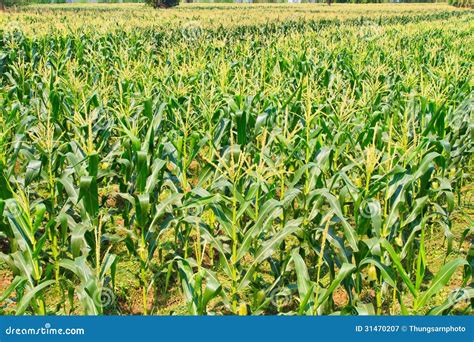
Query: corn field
point(270, 159)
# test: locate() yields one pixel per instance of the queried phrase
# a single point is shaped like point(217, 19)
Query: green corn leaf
point(440, 280)
point(398, 265)
point(5, 189)
point(93, 166)
point(349, 232)
point(270, 245)
point(142, 170)
point(88, 193)
point(218, 245)
point(302, 274)
point(18, 281)
point(345, 271)
point(456, 297)
point(30, 295)
point(142, 207)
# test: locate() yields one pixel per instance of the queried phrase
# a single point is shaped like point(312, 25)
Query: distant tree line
point(162, 3)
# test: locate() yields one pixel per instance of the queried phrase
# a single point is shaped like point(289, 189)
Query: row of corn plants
point(281, 168)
